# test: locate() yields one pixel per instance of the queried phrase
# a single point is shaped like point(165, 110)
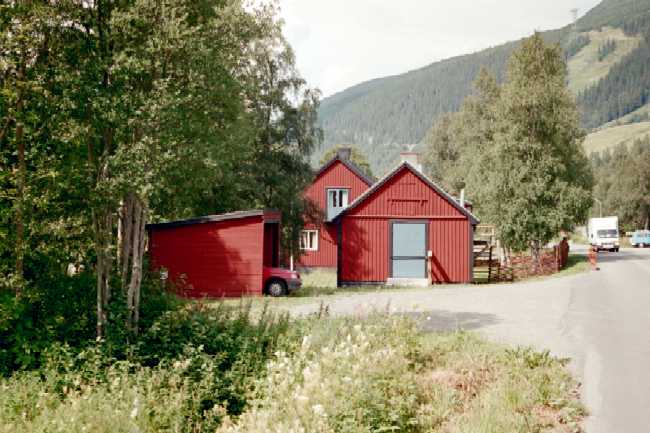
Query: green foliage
point(55, 309)
point(185, 108)
point(623, 184)
point(518, 150)
point(576, 44)
point(606, 49)
point(356, 156)
point(191, 368)
point(320, 374)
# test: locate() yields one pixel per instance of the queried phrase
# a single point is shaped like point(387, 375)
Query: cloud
point(340, 43)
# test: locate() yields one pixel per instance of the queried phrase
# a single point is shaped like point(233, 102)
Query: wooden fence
point(489, 269)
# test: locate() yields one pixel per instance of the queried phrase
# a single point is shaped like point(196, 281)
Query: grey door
point(409, 250)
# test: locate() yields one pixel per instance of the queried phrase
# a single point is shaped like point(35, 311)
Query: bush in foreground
point(218, 369)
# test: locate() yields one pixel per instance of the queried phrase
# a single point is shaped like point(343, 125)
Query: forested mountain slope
point(382, 116)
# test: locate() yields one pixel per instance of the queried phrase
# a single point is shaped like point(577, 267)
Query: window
point(309, 240)
point(337, 201)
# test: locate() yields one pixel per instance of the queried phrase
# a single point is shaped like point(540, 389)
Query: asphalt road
point(600, 319)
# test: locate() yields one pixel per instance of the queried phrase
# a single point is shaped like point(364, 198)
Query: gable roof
point(267, 213)
point(423, 178)
point(350, 165)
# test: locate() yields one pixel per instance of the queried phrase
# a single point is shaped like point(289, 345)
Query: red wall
point(336, 176)
point(325, 257)
point(366, 231)
point(220, 259)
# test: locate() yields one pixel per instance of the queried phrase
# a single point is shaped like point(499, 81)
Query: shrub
point(55, 309)
point(58, 309)
point(190, 369)
point(361, 380)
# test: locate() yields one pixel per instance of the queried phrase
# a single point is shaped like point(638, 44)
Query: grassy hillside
point(611, 137)
point(385, 115)
point(587, 67)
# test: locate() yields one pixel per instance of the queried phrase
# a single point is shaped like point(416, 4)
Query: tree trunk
point(133, 214)
point(103, 228)
point(20, 184)
point(535, 254)
point(20, 206)
point(103, 223)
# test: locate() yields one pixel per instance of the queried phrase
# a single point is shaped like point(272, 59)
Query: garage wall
point(216, 259)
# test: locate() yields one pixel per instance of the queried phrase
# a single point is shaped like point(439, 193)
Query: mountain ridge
point(383, 115)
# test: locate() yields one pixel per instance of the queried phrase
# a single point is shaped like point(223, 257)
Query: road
point(600, 319)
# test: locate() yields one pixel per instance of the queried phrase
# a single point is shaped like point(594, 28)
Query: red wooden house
point(402, 229)
point(217, 255)
point(337, 184)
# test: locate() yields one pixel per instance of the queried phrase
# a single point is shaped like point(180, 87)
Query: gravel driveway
point(599, 319)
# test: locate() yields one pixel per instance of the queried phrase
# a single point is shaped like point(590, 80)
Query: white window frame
point(336, 206)
point(305, 240)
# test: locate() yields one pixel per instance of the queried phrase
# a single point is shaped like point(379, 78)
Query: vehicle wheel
point(276, 288)
point(616, 250)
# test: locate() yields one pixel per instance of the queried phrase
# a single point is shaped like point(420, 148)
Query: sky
point(340, 43)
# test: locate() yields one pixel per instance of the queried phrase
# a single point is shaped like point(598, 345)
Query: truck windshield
point(608, 233)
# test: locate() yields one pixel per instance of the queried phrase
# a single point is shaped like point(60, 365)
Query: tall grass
point(222, 370)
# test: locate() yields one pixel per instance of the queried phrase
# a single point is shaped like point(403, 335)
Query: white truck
point(603, 234)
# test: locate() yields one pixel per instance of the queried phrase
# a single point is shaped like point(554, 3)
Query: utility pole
point(600, 204)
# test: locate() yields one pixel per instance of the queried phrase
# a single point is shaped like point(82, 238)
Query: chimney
point(344, 153)
point(412, 158)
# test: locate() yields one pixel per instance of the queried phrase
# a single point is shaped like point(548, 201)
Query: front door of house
point(409, 250)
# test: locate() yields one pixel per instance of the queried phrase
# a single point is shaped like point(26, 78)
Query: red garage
point(405, 229)
point(226, 255)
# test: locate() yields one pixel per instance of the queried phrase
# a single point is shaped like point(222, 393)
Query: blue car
point(641, 239)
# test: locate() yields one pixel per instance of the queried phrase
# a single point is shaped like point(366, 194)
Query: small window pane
point(309, 240)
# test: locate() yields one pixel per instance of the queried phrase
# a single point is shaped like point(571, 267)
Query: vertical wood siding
point(218, 259)
point(449, 242)
point(366, 232)
point(336, 176)
point(325, 257)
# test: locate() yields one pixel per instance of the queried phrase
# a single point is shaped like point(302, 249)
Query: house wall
point(336, 176)
point(325, 257)
point(365, 246)
point(217, 259)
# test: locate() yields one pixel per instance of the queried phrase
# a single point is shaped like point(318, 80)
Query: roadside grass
point(382, 374)
point(576, 264)
point(499, 389)
point(356, 375)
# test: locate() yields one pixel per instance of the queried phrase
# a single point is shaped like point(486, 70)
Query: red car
point(280, 282)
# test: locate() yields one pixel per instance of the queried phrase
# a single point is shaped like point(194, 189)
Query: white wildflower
point(319, 410)
point(134, 412)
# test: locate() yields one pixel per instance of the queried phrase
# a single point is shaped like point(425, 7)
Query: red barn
point(337, 184)
point(218, 255)
point(405, 229)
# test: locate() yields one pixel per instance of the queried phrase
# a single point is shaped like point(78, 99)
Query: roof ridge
point(422, 177)
point(369, 180)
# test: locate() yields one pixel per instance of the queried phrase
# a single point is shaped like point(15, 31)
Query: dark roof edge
point(423, 178)
point(211, 219)
point(350, 165)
